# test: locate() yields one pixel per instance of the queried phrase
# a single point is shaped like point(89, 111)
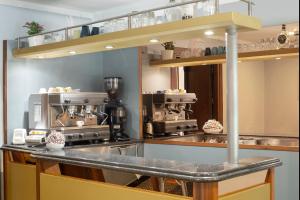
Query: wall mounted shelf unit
point(209, 60)
point(178, 30)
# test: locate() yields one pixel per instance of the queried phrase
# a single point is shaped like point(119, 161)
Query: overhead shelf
point(207, 60)
point(178, 30)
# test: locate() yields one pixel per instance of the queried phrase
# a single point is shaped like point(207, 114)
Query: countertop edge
point(201, 144)
point(193, 177)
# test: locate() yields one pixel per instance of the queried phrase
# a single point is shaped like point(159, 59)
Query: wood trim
point(4, 131)
point(96, 175)
point(140, 84)
point(270, 178)
point(5, 134)
point(205, 191)
point(82, 172)
point(38, 178)
point(206, 60)
point(155, 183)
point(6, 160)
point(201, 144)
point(174, 73)
point(50, 167)
point(219, 92)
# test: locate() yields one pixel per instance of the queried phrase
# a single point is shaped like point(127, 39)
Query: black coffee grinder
point(115, 109)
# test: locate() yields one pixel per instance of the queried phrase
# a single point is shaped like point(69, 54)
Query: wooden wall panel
point(21, 182)
point(67, 188)
point(261, 192)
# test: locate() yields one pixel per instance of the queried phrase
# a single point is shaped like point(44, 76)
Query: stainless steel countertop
point(33, 149)
point(244, 139)
point(92, 156)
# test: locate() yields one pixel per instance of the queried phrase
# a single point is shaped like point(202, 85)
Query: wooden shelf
point(207, 60)
point(178, 30)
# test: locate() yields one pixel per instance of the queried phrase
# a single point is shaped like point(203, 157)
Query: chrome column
point(232, 95)
point(161, 182)
point(250, 8)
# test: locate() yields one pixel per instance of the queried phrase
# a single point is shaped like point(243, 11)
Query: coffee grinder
point(115, 109)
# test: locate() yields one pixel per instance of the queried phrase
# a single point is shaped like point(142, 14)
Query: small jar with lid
point(174, 13)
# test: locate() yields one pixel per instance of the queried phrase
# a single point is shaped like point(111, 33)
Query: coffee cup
point(79, 124)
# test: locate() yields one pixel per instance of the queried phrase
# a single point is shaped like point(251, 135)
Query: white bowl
point(52, 146)
point(212, 131)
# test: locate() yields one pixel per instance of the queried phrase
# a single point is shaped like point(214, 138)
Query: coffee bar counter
point(79, 168)
point(220, 141)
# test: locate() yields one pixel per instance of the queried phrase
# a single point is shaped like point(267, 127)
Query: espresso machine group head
point(63, 111)
point(115, 109)
point(170, 113)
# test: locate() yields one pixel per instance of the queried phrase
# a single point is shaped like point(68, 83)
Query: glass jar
point(108, 28)
point(209, 7)
point(198, 9)
point(151, 18)
point(160, 17)
point(135, 20)
point(174, 13)
point(187, 10)
point(120, 24)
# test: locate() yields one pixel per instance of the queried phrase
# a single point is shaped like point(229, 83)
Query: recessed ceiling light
point(209, 33)
point(72, 52)
point(278, 58)
point(40, 57)
point(109, 47)
point(291, 33)
point(239, 61)
point(154, 41)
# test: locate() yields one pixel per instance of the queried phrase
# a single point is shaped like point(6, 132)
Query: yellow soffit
point(178, 30)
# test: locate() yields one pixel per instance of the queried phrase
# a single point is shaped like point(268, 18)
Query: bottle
point(282, 38)
point(187, 10)
point(174, 13)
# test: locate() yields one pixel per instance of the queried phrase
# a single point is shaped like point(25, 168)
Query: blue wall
point(287, 176)
point(124, 63)
point(85, 72)
point(28, 76)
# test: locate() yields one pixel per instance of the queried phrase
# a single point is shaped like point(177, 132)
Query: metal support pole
point(184, 188)
point(129, 22)
point(19, 42)
point(161, 184)
point(250, 9)
point(66, 34)
point(232, 95)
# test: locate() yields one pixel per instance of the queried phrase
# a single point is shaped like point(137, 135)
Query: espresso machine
point(115, 109)
point(79, 116)
point(168, 113)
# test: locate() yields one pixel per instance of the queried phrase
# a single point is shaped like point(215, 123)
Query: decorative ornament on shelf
point(283, 37)
point(33, 29)
point(168, 53)
point(212, 127)
point(55, 141)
